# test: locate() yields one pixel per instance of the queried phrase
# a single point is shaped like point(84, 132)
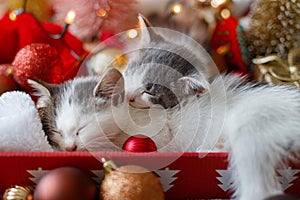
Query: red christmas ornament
point(37, 61)
point(65, 183)
point(7, 83)
point(19, 29)
point(139, 143)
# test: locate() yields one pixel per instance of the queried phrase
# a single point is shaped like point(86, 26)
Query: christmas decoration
point(274, 27)
point(167, 178)
point(139, 143)
point(225, 178)
point(41, 9)
point(273, 69)
point(37, 174)
point(228, 40)
point(7, 82)
point(129, 182)
point(287, 176)
point(18, 193)
point(20, 125)
point(94, 17)
point(21, 29)
point(37, 61)
point(65, 183)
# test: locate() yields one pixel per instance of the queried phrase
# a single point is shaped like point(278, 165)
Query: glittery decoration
point(139, 143)
point(19, 193)
point(130, 182)
point(274, 27)
point(37, 61)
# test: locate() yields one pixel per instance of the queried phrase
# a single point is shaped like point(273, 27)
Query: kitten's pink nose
point(72, 148)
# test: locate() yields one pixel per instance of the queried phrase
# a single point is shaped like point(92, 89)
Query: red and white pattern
point(186, 176)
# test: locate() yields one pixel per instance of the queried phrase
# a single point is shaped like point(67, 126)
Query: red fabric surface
point(15, 34)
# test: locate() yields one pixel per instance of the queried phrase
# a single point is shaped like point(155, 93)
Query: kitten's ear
point(187, 86)
point(111, 86)
point(41, 90)
point(147, 34)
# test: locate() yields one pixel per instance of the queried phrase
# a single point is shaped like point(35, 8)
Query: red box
point(184, 176)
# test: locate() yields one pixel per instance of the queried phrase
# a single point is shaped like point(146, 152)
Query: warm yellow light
point(12, 16)
point(222, 50)
point(217, 3)
point(177, 8)
point(225, 13)
point(70, 17)
point(101, 13)
point(132, 33)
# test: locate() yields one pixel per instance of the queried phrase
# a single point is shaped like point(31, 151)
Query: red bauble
point(139, 143)
point(65, 183)
point(7, 83)
point(37, 61)
point(20, 29)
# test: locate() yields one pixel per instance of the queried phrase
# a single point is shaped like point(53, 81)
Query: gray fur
point(161, 63)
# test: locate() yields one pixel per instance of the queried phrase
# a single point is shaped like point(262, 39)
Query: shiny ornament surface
point(65, 183)
point(37, 61)
point(131, 182)
point(139, 143)
point(18, 193)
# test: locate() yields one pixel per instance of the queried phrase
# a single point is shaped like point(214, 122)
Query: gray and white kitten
point(76, 115)
point(259, 124)
point(161, 60)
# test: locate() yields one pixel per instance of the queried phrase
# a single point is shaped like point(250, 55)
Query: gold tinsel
point(274, 27)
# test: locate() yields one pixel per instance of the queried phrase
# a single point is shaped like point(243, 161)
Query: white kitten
point(77, 115)
point(260, 124)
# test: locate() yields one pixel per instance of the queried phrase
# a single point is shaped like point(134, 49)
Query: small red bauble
point(7, 83)
point(37, 61)
point(139, 143)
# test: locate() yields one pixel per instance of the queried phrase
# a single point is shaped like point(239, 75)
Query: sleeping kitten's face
point(76, 115)
point(153, 73)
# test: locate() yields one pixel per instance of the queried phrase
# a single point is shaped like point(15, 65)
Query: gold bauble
point(274, 27)
point(18, 193)
point(131, 182)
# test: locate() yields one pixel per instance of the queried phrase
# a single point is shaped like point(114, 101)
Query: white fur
point(261, 127)
point(20, 125)
point(95, 131)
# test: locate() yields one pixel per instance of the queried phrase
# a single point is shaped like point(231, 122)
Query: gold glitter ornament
point(18, 193)
point(274, 27)
point(130, 182)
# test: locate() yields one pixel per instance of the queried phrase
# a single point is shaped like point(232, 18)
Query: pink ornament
point(139, 143)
